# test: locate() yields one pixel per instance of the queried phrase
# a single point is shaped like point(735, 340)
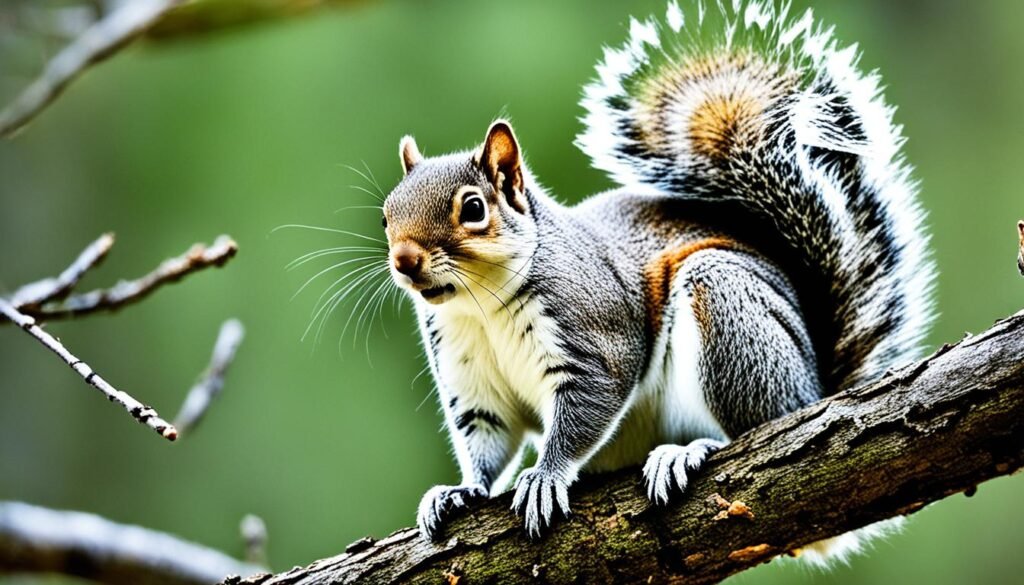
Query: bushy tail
point(742, 103)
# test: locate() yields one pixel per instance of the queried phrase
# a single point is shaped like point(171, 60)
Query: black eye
point(474, 210)
point(383, 221)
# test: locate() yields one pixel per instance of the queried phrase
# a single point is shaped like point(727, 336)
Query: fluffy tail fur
point(743, 103)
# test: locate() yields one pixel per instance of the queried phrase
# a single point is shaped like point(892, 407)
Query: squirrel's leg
point(586, 409)
point(741, 355)
point(485, 442)
point(484, 434)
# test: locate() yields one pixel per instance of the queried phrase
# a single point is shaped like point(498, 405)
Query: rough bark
point(920, 434)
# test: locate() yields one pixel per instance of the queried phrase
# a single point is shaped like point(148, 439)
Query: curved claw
point(668, 467)
point(539, 493)
point(440, 501)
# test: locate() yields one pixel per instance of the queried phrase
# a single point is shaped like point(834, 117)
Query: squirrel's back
point(743, 105)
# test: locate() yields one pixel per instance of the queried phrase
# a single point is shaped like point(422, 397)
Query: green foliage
point(178, 141)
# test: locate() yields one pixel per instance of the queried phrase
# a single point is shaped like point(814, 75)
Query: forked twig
point(40, 301)
point(127, 292)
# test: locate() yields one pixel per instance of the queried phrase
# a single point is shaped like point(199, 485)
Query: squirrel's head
point(461, 223)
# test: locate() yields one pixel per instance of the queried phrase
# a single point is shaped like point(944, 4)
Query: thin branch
point(201, 396)
point(39, 301)
point(98, 42)
point(51, 289)
point(930, 430)
point(140, 412)
point(197, 258)
point(34, 539)
point(118, 27)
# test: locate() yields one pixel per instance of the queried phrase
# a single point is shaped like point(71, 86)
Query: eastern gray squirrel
point(765, 249)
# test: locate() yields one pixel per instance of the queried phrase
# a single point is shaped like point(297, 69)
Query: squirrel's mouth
point(434, 295)
point(438, 294)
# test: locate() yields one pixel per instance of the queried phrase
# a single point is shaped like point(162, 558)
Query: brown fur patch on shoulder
point(660, 272)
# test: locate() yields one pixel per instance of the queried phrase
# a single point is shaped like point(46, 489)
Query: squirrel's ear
point(502, 162)
point(409, 153)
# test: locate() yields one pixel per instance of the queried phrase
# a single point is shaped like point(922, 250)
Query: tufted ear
point(502, 162)
point(409, 153)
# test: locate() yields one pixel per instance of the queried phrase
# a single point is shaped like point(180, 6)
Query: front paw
point(538, 491)
point(668, 466)
point(440, 501)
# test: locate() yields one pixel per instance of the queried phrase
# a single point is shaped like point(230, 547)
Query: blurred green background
point(238, 132)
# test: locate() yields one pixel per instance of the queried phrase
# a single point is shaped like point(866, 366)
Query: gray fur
point(758, 362)
point(801, 271)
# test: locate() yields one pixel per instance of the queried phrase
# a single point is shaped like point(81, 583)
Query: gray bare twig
point(140, 412)
point(202, 394)
point(127, 292)
point(39, 301)
point(34, 539)
point(98, 41)
point(52, 289)
point(101, 28)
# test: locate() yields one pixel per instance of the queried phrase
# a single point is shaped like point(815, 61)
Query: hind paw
point(668, 467)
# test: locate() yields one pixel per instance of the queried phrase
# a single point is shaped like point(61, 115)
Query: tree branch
point(197, 258)
point(52, 289)
point(139, 411)
point(34, 539)
point(919, 434)
point(201, 396)
point(101, 29)
point(37, 301)
point(98, 41)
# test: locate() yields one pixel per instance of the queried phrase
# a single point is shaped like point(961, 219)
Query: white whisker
point(368, 192)
point(351, 274)
point(330, 268)
point(372, 182)
point(330, 251)
point(348, 207)
point(335, 298)
point(342, 294)
point(366, 290)
point(326, 229)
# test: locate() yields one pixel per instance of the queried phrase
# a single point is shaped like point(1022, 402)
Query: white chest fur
point(494, 357)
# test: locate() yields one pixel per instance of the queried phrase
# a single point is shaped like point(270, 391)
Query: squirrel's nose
point(407, 258)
